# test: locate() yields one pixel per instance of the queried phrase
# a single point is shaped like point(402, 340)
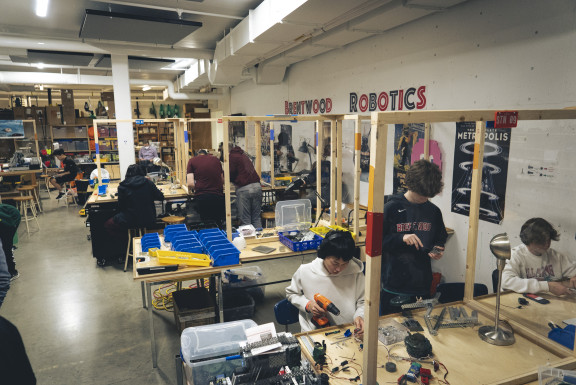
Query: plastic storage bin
point(171, 230)
point(554, 376)
point(150, 241)
point(240, 277)
point(193, 307)
point(220, 249)
point(200, 344)
point(293, 215)
point(300, 246)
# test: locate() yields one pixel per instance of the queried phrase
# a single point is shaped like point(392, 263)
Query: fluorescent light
point(41, 87)
point(41, 43)
point(40, 65)
point(146, 88)
point(42, 8)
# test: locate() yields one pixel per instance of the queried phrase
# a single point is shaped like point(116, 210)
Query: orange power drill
point(327, 305)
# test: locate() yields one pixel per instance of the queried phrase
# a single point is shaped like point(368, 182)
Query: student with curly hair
point(414, 234)
point(536, 267)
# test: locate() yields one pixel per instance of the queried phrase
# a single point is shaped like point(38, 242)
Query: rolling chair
point(286, 313)
point(454, 291)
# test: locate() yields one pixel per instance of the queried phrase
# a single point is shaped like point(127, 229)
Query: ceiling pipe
point(179, 11)
point(74, 79)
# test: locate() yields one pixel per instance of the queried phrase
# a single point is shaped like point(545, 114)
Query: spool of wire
point(418, 346)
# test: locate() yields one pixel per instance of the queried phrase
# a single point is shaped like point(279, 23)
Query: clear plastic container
point(293, 215)
point(554, 376)
point(205, 348)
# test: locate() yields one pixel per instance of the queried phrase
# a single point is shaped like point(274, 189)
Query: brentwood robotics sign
point(395, 100)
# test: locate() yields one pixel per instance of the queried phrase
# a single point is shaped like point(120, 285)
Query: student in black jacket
point(15, 368)
point(414, 234)
point(136, 196)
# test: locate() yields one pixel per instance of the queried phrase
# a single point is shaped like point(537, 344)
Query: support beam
point(333, 155)
point(258, 147)
point(272, 154)
point(378, 140)
point(319, 151)
point(357, 172)
point(474, 216)
point(339, 172)
point(226, 167)
point(123, 108)
point(427, 128)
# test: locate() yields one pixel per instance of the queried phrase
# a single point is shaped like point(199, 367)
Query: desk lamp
point(500, 247)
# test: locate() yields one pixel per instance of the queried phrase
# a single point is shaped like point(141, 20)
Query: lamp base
point(495, 336)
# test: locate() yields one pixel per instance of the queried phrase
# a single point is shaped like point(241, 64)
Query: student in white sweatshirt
point(336, 275)
point(535, 267)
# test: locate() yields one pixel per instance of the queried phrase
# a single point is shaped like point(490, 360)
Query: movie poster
point(405, 137)
point(494, 172)
point(11, 129)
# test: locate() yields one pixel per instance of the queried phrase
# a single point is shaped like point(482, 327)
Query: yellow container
point(168, 257)
point(323, 230)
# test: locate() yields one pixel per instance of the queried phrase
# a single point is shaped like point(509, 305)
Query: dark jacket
point(406, 270)
point(136, 196)
point(15, 366)
point(242, 170)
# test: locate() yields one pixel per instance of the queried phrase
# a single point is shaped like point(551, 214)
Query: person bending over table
point(414, 234)
point(337, 275)
point(206, 178)
point(248, 188)
point(68, 175)
point(535, 266)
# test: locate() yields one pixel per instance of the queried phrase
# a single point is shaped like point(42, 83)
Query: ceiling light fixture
point(42, 8)
point(41, 43)
point(40, 65)
point(146, 88)
point(41, 87)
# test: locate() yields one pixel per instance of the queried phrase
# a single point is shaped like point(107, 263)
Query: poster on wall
point(11, 129)
point(494, 171)
point(405, 137)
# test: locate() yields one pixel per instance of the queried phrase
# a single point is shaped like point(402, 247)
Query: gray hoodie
point(345, 290)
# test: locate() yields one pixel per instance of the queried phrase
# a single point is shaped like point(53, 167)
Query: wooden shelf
point(71, 137)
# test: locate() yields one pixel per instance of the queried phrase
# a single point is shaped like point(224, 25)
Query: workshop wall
point(477, 55)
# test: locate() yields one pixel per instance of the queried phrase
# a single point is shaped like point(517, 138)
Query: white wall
point(517, 54)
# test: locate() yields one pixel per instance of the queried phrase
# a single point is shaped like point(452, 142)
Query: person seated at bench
point(536, 267)
point(67, 175)
point(337, 275)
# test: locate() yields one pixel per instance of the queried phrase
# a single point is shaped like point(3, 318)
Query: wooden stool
point(268, 215)
point(24, 203)
point(46, 178)
point(132, 233)
point(173, 220)
point(30, 190)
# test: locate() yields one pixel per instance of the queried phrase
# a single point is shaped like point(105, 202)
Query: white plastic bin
point(293, 215)
point(240, 277)
point(205, 348)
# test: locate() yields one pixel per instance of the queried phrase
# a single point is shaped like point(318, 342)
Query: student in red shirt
point(205, 178)
point(248, 188)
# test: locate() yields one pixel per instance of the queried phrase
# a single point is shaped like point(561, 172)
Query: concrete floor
point(83, 324)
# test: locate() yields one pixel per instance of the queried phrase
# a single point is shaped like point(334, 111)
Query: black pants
point(210, 207)
point(7, 235)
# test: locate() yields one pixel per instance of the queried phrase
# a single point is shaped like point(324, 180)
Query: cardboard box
point(53, 115)
point(67, 97)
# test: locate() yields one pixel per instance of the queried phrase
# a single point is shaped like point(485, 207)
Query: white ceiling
point(305, 29)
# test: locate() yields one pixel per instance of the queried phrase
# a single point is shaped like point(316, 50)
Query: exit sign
point(139, 121)
point(505, 119)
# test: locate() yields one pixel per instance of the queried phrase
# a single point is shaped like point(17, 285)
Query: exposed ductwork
point(70, 79)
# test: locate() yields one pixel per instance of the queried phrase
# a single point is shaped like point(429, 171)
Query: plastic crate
point(167, 257)
point(193, 307)
point(150, 241)
point(220, 249)
point(554, 376)
point(300, 246)
point(171, 230)
point(323, 230)
point(240, 277)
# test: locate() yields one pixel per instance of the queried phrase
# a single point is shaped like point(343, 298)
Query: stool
point(67, 193)
point(24, 203)
point(268, 215)
point(132, 233)
point(46, 178)
point(30, 190)
point(173, 220)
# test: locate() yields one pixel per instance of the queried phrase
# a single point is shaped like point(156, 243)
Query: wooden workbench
point(469, 360)
point(181, 192)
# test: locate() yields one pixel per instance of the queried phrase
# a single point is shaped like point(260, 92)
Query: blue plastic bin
point(300, 246)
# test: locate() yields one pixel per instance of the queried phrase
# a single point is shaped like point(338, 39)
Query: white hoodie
point(529, 273)
point(345, 290)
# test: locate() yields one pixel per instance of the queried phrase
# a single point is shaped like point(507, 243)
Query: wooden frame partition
point(180, 148)
point(379, 134)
